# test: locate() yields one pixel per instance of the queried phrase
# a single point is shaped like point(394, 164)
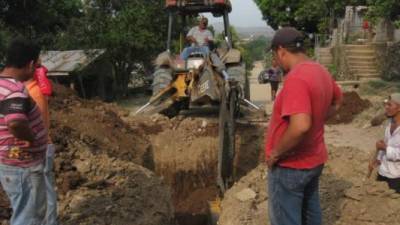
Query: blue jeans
point(294, 196)
point(189, 50)
point(51, 213)
point(25, 187)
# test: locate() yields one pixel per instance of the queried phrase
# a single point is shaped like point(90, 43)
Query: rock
point(378, 119)
point(204, 124)
point(353, 194)
point(245, 195)
point(395, 196)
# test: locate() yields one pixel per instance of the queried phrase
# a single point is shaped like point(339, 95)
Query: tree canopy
point(317, 16)
point(389, 9)
point(132, 31)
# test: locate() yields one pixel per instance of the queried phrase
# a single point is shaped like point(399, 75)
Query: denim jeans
point(294, 196)
point(51, 213)
point(25, 187)
point(189, 50)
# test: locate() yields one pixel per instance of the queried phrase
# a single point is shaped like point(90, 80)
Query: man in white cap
point(388, 150)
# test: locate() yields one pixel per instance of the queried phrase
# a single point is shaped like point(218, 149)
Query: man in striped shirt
point(23, 137)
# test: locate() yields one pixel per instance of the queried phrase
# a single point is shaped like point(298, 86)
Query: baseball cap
point(395, 97)
point(287, 37)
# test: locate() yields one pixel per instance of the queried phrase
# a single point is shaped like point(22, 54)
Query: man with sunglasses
point(387, 155)
point(295, 146)
point(23, 137)
point(200, 39)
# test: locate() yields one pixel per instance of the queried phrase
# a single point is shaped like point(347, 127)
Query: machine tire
point(226, 153)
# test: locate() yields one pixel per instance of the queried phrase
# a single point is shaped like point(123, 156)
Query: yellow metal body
point(214, 208)
point(180, 85)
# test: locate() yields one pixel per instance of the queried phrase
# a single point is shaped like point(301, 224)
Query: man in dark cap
point(23, 137)
point(295, 147)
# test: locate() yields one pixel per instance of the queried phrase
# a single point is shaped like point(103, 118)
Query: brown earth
point(185, 154)
point(100, 151)
point(347, 196)
point(352, 106)
point(98, 167)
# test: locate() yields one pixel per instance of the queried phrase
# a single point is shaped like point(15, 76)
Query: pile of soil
point(98, 166)
point(347, 196)
point(352, 106)
point(103, 157)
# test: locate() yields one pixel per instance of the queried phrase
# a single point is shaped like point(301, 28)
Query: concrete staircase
point(324, 56)
point(361, 60)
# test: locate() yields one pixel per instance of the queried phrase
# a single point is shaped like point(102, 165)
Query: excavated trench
point(183, 151)
point(186, 157)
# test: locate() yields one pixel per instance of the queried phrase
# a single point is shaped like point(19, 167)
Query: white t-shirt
point(200, 35)
point(390, 159)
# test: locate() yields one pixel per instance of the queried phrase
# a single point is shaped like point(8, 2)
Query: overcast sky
point(245, 13)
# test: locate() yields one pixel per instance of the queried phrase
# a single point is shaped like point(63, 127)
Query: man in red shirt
point(295, 146)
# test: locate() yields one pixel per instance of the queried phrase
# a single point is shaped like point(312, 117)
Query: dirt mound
point(97, 166)
point(352, 106)
point(101, 190)
point(346, 196)
point(98, 174)
point(99, 147)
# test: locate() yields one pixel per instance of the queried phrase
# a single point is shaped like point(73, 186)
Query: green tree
point(39, 20)
point(132, 32)
point(312, 16)
point(388, 9)
point(256, 48)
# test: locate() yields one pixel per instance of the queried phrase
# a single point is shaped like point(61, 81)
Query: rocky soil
point(347, 196)
point(100, 167)
point(113, 168)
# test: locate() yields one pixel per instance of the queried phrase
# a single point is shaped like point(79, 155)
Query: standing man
point(199, 38)
point(295, 148)
point(23, 137)
point(274, 74)
point(387, 155)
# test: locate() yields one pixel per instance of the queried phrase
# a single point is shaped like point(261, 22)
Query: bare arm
point(21, 130)
point(191, 39)
point(336, 102)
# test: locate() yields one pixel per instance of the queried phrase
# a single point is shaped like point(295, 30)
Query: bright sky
point(245, 13)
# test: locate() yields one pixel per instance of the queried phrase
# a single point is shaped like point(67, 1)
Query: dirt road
point(260, 94)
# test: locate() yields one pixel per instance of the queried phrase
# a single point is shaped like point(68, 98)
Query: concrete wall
point(384, 31)
point(381, 54)
point(397, 35)
point(340, 62)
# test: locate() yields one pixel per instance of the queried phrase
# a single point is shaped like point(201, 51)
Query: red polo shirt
point(310, 89)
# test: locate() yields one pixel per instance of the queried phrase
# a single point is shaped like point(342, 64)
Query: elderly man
point(23, 137)
point(200, 39)
point(295, 147)
point(388, 150)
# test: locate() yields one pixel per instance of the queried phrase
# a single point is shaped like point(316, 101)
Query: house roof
point(62, 63)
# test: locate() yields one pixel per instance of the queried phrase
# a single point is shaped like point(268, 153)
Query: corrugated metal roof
point(63, 62)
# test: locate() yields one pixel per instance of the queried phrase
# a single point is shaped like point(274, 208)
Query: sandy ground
point(347, 196)
point(260, 94)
